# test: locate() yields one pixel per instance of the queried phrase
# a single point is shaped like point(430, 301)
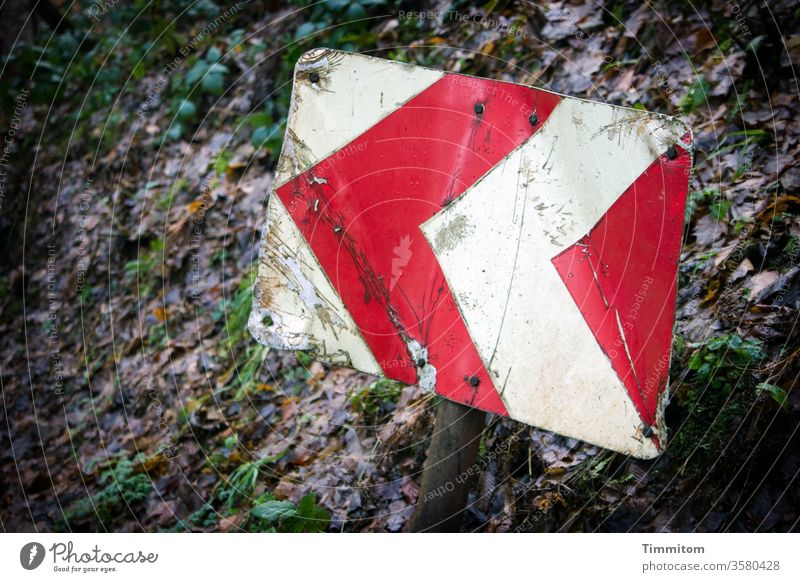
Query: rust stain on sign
point(504, 246)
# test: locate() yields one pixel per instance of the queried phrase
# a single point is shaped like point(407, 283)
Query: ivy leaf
point(696, 360)
point(260, 136)
point(356, 11)
point(261, 119)
point(186, 110)
point(175, 132)
point(213, 54)
point(305, 29)
point(213, 83)
point(778, 394)
point(196, 72)
point(218, 69)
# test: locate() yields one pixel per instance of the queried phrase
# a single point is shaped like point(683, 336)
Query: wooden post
point(445, 484)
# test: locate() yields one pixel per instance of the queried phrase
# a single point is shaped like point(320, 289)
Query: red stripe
point(361, 208)
point(623, 274)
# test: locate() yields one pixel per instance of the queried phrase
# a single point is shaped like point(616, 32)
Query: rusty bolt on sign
point(450, 217)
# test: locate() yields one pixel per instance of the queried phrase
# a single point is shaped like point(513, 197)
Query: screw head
point(478, 108)
point(314, 77)
point(474, 381)
point(421, 363)
point(672, 152)
point(534, 119)
point(647, 431)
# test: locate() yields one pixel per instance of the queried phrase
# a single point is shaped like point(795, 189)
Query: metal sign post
point(509, 248)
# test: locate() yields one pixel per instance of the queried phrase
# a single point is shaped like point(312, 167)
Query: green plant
point(304, 358)
point(606, 469)
point(205, 77)
point(740, 223)
point(205, 517)
point(376, 399)
point(266, 134)
point(186, 110)
point(247, 369)
point(123, 489)
point(323, 15)
point(696, 96)
point(791, 246)
point(229, 494)
point(284, 516)
point(777, 393)
point(165, 202)
point(720, 362)
point(336, 24)
point(734, 140)
point(235, 310)
point(717, 204)
point(144, 269)
point(99, 62)
point(222, 160)
point(713, 398)
point(295, 378)
point(243, 481)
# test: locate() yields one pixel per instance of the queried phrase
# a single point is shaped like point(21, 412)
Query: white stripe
point(543, 197)
point(354, 93)
point(306, 312)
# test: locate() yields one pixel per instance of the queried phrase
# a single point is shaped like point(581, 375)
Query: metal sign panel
point(510, 248)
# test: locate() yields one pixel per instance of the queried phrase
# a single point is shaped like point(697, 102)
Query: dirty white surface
point(530, 334)
point(292, 291)
point(544, 359)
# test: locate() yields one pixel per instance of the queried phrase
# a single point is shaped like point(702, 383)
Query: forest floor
point(142, 153)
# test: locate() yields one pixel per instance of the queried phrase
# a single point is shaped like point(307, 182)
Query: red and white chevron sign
point(510, 248)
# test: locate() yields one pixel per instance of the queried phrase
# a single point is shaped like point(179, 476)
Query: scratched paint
point(424, 228)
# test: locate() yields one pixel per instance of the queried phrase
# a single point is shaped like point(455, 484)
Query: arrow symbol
point(354, 207)
point(570, 292)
